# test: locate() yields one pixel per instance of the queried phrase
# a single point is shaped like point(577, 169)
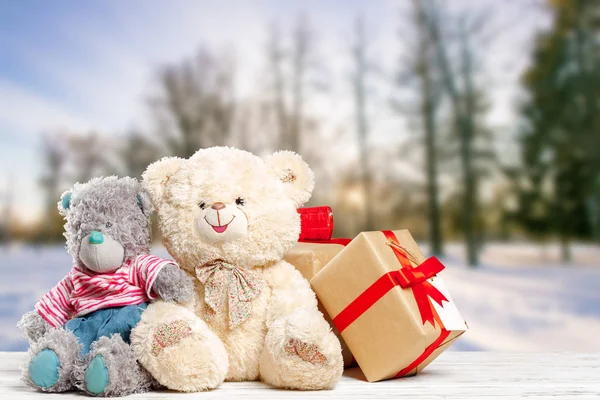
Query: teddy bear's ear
point(157, 175)
point(65, 202)
point(145, 203)
point(295, 174)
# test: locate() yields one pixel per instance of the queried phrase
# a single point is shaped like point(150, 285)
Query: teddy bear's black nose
point(218, 206)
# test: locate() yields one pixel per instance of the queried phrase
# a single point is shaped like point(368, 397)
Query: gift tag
point(449, 314)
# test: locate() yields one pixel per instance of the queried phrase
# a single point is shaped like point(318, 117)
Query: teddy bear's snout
point(222, 222)
point(101, 253)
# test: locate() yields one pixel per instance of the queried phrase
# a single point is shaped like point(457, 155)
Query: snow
point(520, 299)
point(523, 299)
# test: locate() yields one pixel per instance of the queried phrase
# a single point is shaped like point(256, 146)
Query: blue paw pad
point(43, 369)
point(96, 376)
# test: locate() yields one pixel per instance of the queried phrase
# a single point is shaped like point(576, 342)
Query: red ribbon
point(415, 278)
point(316, 223)
point(342, 241)
point(428, 351)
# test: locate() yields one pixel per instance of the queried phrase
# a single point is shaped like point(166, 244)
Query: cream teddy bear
point(228, 217)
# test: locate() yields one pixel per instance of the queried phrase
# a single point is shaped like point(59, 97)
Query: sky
point(90, 65)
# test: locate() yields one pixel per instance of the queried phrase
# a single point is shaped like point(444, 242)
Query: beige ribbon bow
point(239, 285)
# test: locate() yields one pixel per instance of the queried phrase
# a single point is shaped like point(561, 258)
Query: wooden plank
point(454, 375)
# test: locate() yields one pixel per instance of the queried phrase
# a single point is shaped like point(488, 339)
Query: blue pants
point(106, 322)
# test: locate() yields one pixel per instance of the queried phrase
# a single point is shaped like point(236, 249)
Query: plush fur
point(197, 362)
point(222, 174)
point(120, 202)
point(228, 204)
point(120, 209)
point(67, 348)
point(33, 326)
point(126, 375)
point(167, 284)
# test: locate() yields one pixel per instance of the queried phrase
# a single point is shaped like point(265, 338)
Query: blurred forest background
point(475, 124)
point(449, 173)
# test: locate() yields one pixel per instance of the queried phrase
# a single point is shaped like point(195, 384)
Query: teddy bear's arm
point(173, 284)
point(33, 325)
point(290, 291)
point(51, 311)
point(161, 278)
point(55, 306)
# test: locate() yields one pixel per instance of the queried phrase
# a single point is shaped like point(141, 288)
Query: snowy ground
point(521, 299)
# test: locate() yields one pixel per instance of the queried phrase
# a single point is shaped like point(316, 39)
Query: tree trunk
point(463, 108)
point(362, 128)
point(299, 66)
point(428, 117)
point(275, 61)
point(469, 204)
point(435, 231)
point(470, 193)
point(565, 249)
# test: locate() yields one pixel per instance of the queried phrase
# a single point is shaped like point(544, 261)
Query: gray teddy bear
point(79, 331)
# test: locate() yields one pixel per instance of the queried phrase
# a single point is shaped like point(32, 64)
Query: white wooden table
point(454, 375)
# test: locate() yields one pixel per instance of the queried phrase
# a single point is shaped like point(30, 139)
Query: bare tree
point(54, 153)
point(302, 42)
point(7, 219)
point(55, 150)
point(196, 106)
point(426, 72)
point(71, 157)
point(465, 101)
point(418, 78)
point(306, 77)
point(137, 152)
point(295, 74)
point(89, 156)
point(276, 61)
point(361, 72)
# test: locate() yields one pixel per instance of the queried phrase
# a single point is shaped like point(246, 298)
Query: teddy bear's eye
point(108, 224)
point(240, 202)
point(202, 205)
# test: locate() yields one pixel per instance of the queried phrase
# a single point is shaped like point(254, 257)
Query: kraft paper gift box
point(393, 311)
point(309, 258)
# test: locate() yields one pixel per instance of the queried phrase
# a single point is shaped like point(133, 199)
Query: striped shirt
point(82, 291)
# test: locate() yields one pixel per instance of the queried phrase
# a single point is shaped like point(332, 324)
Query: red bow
point(406, 277)
point(416, 278)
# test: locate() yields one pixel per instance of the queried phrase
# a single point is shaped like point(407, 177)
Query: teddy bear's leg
point(179, 349)
point(51, 361)
point(112, 370)
point(301, 352)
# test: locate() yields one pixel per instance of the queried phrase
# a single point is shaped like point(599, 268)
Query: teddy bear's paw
point(179, 349)
point(301, 352)
point(51, 362)
point(104, 372)
point(170, 334)
point(33, 326)
point(306, 351)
